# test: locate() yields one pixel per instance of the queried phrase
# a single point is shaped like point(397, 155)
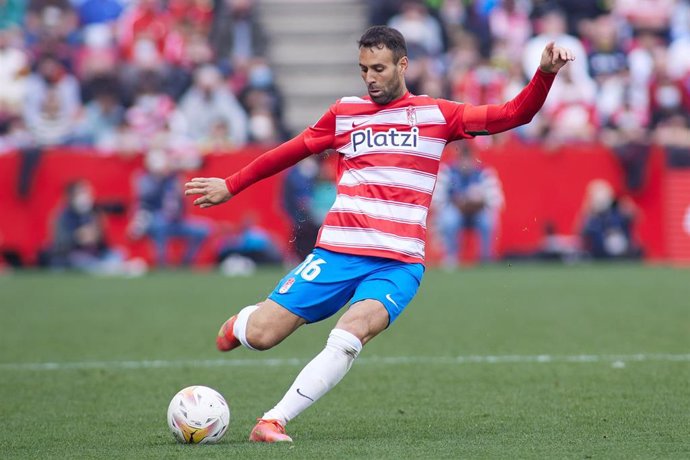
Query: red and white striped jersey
point(388, 163)
point(387, 168)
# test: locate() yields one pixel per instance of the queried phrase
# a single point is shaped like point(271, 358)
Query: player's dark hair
point(384, 36)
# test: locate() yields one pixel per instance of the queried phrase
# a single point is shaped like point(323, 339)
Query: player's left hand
point(213, 191)
point(554, 57)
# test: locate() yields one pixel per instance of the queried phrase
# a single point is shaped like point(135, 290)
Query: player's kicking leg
point(270, 324)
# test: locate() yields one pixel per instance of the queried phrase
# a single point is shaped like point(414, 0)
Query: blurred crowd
point(186, 76)
point(176, 79)
point(629, 86)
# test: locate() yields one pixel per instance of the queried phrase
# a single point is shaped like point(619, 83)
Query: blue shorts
point(321, 285)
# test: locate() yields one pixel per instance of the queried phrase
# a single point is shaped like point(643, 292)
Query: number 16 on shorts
point(310, 268)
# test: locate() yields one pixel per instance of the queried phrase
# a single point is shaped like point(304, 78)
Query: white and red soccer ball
point(198, 415)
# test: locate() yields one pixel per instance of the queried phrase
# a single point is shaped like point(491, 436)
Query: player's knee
point(365, 320)
point(260, 338)
point(355, 326)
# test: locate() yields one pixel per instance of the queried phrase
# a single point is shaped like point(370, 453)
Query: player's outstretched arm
point(214, 190)
point(492, 119)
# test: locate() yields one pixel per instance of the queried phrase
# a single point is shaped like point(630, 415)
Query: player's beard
point(387, 94)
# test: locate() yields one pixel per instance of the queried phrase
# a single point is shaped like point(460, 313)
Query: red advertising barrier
point(677, 215)
point(543, 186)
point(540, 186)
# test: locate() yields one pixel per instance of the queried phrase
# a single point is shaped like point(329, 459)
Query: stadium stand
point(117, 78)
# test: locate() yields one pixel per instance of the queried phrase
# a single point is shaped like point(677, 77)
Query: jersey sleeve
point(466, 120)
point(313, 140)
point(321, 135)
point(453, 113)
point(268, 164)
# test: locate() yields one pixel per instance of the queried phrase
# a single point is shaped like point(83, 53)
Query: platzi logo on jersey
point(391, 138)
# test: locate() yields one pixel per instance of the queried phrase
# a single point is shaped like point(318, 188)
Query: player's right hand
point(213, 191)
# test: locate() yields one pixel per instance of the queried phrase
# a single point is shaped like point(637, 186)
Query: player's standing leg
point(362, 322)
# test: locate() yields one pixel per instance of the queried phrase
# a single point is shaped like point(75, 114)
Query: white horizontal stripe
point(427, 147)
point(364, 360)
point(351, 237)
point(381, 209)
point(354, 100)
point(396, 177)
point(424, 115)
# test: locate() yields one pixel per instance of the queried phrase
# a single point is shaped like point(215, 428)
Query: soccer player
point(370, 248)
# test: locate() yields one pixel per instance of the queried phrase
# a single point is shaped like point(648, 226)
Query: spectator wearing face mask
point(79, 237)
point(206, 103)
point(161, 212)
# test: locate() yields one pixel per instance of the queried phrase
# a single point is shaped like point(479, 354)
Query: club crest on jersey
point(411, 116)
point(367, 138)
point(286, 286)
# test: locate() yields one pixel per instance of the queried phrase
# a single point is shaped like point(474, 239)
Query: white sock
point(240, 327)
point(320, 375)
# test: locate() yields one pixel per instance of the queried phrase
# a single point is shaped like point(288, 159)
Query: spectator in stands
point(196, 12)
point(143, 29)
point(51, 108)
point(236, 36)
point(579, 13)
point(101, 117)
point(572, 112)
point(161, 212)
point(52, 102)
point(262, 95)
point(14, 67)
point(667, 95)
point(149, 45)
point(217, 140)
point(208, 102)
point(49, 22)
point(468, 196)
point(297, 193)
point(642, 49)
point(481, 84)
point(52, 124)
point(97, 60)
point(607, 224)
point(509, 23)
point(419, 28)
point(79, 240)
point(251, 241)
point(152, 109)
point(608, 65)
point(649, 15)
point(552, 26)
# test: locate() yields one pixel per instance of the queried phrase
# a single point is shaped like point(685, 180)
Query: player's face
point(385, 79)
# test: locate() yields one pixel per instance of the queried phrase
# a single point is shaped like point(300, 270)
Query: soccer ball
point(198, 415)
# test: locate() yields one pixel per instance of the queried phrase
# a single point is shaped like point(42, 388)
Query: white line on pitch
point(392, 360)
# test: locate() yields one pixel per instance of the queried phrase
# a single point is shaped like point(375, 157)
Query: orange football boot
point(226, 339)
point(269, 431)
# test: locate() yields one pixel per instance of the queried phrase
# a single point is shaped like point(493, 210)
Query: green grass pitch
point(518, 361)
